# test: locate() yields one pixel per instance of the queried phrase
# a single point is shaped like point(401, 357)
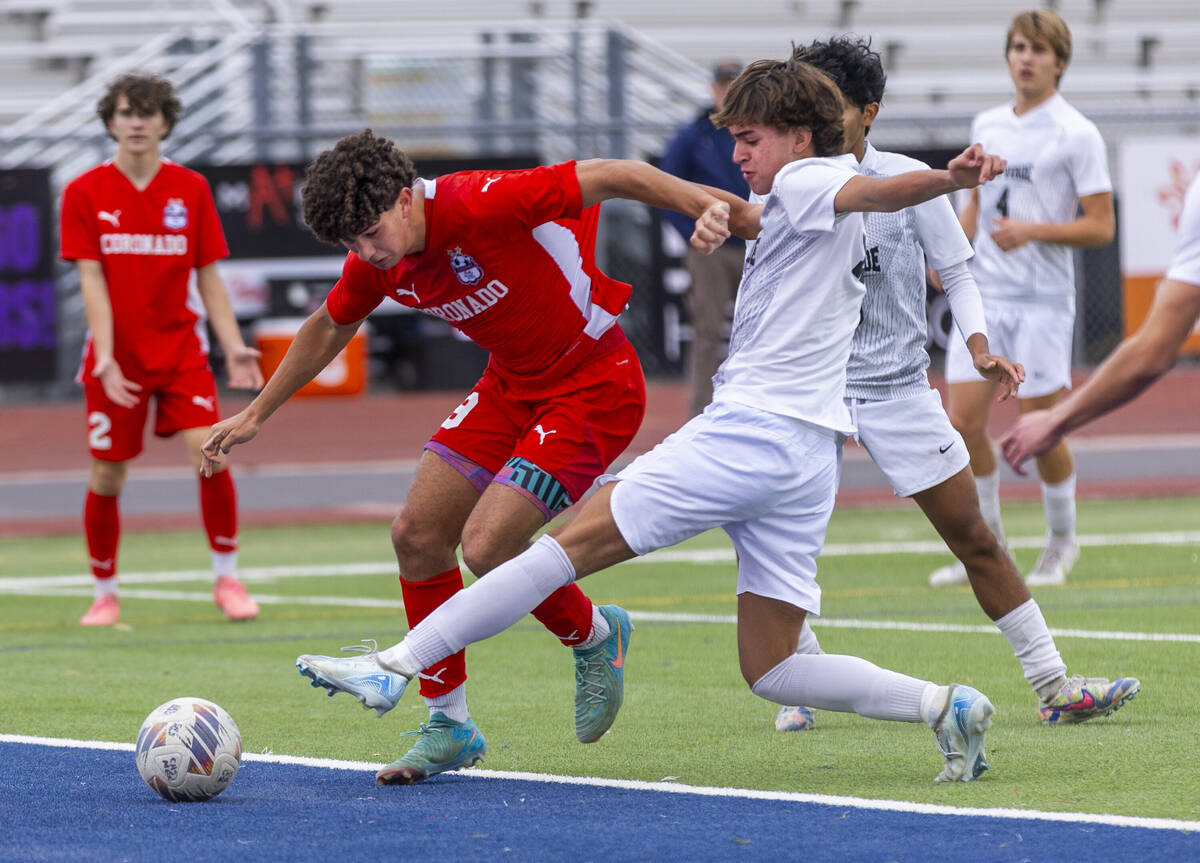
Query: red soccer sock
point(102, 527)
point(567, 613)
point(218, 508)
point(420, 599)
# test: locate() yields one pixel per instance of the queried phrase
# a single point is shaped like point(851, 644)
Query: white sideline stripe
point(678, 788)
point(650, 616)
point(697, 556)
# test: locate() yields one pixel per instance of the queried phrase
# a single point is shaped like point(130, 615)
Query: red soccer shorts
point(572, 429)
point(183, 399)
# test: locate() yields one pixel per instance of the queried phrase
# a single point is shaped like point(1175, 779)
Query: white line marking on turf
point(80, 585)
point(261, 574)
point(678, 788)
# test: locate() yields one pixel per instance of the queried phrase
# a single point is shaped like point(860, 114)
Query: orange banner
point(1139, 294)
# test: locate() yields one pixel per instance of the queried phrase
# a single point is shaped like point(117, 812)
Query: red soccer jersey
point(509, 260)
point(147, 242)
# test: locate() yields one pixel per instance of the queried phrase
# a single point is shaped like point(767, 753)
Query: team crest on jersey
point(464, 266)
point(175, 215)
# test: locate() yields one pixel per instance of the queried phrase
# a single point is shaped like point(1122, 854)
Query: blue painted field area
point(77, 804)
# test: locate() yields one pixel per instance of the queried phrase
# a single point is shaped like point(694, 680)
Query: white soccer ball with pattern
point(188, 749)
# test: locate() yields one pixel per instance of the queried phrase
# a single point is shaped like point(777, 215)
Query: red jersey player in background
point(136, 226)
point(507, 257)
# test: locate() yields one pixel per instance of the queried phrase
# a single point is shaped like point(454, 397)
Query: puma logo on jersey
point(489, 182)
point(436, 677)
point(101, 564)
point(201, 401)
point(401, 292)
point(113, 218)
point(542, 434)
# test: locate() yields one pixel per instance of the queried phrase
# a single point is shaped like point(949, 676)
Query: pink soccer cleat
point(105, 611)
point(231, 597)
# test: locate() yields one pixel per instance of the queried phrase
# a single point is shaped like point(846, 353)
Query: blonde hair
point(1042, 25)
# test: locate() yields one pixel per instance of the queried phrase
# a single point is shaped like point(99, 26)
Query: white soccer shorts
point(1037, 336)
point(768, 480)
point(911, 440)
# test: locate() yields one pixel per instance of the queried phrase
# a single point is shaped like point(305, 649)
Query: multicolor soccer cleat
point(361, 676)
point(442, 745)
point(795, 719)
point(1084, 698)
point(960, 733)
point(600, 678)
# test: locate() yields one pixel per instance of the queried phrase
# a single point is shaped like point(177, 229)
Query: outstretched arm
point(1137, 362)
point(602, 179)
point(319, 340)
point(970, 168)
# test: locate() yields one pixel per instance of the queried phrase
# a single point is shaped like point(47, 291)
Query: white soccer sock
point(807, 642)
point(849, 684)
point(1058, 500)
point(600, 631)
point(1026, 631)
point(490, 605)
point(453, 704)
point(988, 489)
point(224, 563)
point(104, 586)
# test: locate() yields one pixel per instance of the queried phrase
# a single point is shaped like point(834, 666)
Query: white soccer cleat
point(954, 573)
point(1054, 564)
point(960, 733)
point(361, 676)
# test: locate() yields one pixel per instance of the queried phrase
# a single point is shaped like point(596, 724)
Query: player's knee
point(416, 539)
point(107, 477)
point(482, 552)
point(965, 422)
point(977, 546)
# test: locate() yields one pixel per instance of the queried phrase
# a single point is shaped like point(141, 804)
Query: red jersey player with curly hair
point(507, 257)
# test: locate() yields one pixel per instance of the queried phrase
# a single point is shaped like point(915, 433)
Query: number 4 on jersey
point(1002, 204)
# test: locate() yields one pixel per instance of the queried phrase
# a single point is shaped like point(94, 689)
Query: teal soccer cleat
point(1084, 698)
point(442, 745)
point(960, 731)
point(361, 676)
point(600, 678)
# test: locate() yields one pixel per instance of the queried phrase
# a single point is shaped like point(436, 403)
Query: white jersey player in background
point(1138, 361)
point(899, 416)
point(1025, 228)
point(762, 460)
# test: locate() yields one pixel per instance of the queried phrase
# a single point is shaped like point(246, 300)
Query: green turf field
point(688, 715)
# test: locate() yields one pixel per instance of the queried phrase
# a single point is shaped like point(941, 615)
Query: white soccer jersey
point(1185, 265)
point(799, 301)
point(1055, 157)
point(888, 358)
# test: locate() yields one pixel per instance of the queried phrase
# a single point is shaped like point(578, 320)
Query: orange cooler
point(346, 375)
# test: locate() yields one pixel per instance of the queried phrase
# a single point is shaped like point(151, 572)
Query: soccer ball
point(188, 749)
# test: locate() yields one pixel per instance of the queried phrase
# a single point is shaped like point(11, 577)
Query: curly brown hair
point(786, 94)
point(147, 95)
point(347, 188)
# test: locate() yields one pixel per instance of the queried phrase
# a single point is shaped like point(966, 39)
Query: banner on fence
point(1155, 174)
point(28, 324)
